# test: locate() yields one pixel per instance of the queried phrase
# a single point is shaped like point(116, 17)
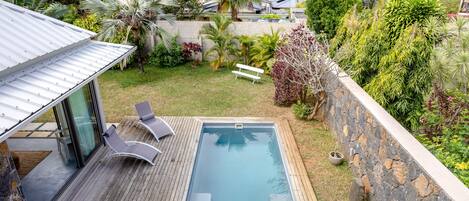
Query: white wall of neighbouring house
point(188, 31)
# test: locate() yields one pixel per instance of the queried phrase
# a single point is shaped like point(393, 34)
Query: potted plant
point(335, 157)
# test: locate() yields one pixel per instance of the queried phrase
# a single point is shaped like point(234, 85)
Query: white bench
point(246, 74)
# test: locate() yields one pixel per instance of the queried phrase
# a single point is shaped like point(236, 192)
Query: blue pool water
point(239, 165)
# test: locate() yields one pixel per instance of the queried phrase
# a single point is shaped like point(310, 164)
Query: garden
point(410, 56)
point(413, 60)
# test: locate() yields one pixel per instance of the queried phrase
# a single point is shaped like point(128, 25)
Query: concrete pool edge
point(300, 185)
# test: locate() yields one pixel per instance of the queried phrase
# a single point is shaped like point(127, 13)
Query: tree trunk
point(234, 13)
point(220, 6)
point(140, 60)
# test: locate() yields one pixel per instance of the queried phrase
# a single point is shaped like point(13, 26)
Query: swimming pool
point(239, 165)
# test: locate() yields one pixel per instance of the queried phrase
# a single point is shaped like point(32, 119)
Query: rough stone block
point(357, 191)
point(422, 186)
point(399, 171)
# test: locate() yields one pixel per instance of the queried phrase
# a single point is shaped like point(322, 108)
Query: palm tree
point(234, 6)
point(56, 10)
point(133, 20)
point(224, 41)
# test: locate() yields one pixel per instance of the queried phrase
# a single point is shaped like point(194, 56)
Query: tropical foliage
point(263, 50)
point(224, 42)
point(286, 91)
point(169, 55)
point(301, 110)
point(387, 51)
point(271, 16)
point(445, 130)
point(324, 15)
point(67, 13)
point(450, 60)
point(245, 43)
point(135, 18)
point(189, 9)
point(90, 22)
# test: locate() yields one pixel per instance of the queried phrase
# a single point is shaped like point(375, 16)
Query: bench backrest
point(245, 67)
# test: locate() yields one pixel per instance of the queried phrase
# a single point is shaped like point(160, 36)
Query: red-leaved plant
point(190, 51)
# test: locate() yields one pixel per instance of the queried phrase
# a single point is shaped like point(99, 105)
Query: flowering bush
point(286, 92)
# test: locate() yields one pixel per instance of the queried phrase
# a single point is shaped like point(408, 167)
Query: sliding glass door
point(82, 112)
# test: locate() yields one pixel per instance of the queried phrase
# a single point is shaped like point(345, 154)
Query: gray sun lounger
point(132, 149)
point(157, 126)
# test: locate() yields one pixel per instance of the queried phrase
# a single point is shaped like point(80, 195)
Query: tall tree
point(234, 6)
point(133, 20)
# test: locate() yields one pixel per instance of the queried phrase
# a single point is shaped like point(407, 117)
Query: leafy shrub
point(188, 9)
point(190, 52)
point(450, 59)
point(245, 45)
point(224, 43)
point(263, 50)
point(286, 91)
point(90, 22)
point(387, 51)
point(325, 15)
point(66, 13)
point(270, 16)
point(445, 130)
point(301, 110)
point(167, 56)
point(190, 49)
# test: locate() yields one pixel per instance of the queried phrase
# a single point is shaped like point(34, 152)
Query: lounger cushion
point(142, 150)
point(158, 127)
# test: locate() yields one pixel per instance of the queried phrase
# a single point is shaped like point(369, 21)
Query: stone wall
point(391, 163)
point(9, 179)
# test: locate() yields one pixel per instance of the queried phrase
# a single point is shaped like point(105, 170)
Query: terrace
point(130, 179)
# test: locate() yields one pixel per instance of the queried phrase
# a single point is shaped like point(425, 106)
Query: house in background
point(48, 67)
point(464, 8)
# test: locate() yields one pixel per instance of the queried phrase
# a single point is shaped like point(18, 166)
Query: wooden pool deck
point(131, 179)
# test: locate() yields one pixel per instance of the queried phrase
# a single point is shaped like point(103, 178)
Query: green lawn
point(183, 91)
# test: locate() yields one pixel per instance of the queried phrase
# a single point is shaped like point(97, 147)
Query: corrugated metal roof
point(26, 93)
point(26, 35)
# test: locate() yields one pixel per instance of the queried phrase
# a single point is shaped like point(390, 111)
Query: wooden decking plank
point(186, 164)
point(189, 163)
point(143, 178)
point(166, 178)
point(177, 164)
point(289, 163)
